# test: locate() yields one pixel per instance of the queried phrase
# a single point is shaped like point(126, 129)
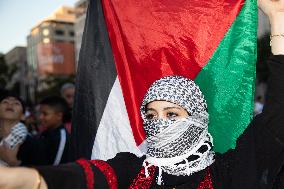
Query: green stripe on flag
point(227, 81)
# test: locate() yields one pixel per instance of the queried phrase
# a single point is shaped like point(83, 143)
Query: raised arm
point(274, 106)
point(24, 178)
point(259, 150)
point(274, 9)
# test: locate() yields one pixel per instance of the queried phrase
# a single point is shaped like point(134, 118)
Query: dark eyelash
point(173, 113)
point(149, 116)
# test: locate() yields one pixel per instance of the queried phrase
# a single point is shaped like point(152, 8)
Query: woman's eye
point(150, 116)
point(172, 115)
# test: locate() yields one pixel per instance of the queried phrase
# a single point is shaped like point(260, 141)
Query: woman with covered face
point(179, 153)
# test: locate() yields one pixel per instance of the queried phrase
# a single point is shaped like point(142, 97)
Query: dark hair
point(7, 94)
point(57, 103)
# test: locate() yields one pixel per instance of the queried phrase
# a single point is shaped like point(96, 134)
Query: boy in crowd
point(50, 147)
point(12, 131)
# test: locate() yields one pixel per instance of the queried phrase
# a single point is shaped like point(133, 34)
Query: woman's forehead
point(161, 104)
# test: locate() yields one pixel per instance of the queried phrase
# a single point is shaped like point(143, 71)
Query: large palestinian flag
point(128, 44)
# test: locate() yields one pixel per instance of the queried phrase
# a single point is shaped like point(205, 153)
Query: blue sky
point(17, 17)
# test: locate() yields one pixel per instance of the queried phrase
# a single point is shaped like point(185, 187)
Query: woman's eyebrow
point(173, 107)
point(150, 109)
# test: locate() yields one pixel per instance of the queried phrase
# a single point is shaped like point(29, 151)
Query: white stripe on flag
point(114, 134)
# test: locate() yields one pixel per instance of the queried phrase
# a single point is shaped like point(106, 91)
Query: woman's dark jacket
point(256, 163)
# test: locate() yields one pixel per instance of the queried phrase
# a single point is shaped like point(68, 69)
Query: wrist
point(277, 32)
point(31, 178)
point(276, 23)
point(15, 163)
point(37, 182)
point(19, 178)
point(277, 45)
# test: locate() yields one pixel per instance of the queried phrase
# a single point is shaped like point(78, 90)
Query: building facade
point(51, 44)
point(50, 48)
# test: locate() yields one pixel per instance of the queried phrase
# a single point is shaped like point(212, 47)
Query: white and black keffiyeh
point(178, 147)
point(17, 136)
point(179, 90)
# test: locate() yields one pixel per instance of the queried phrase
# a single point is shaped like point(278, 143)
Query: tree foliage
point(3, 72)
point(6, 74)
point(53, 84)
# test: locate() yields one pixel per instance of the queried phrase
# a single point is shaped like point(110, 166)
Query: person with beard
point(179, 153)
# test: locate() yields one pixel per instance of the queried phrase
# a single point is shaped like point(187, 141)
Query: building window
point(71, 33)
point(46, 40)
point(59, 32)
point(45, 32)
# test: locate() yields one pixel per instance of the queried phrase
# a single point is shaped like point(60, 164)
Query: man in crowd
point(67, 92)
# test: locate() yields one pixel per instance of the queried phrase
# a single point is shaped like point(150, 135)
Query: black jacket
point(42, 150)
point(256, 162)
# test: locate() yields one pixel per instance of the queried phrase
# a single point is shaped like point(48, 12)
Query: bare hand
point(274, 9)
point(9, 155)
point(12, 178)
point(269, 7)
point(24, 178)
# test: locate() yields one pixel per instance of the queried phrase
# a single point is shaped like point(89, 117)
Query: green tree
point(53, 84)
point(3, 72)
point(6, 74)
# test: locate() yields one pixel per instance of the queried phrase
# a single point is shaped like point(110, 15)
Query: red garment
point(107, 170)
point(207, 182)
point(140, 182)
point(143, 182)
point(89, 174)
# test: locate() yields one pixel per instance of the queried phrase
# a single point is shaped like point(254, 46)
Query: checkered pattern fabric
point(18, 134)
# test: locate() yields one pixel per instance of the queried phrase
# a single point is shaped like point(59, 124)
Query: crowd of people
point(36, 137)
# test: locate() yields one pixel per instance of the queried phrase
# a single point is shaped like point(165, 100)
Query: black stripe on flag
point(96, 75)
